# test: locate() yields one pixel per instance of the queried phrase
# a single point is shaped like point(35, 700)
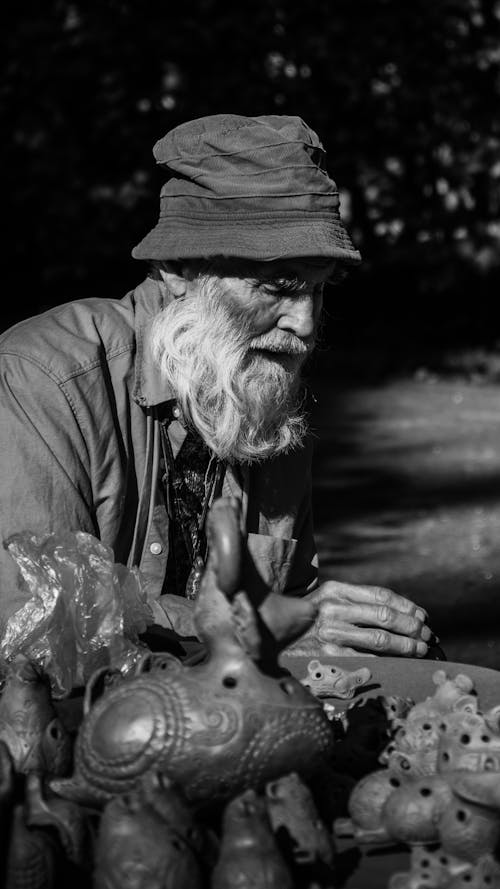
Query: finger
point(371, 595)
point(319, 650)
point(372, 616)
point(329, 649)
point(375, 639)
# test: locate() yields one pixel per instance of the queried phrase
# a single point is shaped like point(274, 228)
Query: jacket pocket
point(268, 563)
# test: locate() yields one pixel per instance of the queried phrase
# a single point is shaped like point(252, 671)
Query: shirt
point(81, 404)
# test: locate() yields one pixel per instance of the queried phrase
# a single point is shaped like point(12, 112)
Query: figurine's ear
point(173, 277)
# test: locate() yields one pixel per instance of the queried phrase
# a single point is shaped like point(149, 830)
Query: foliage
point(404, 97)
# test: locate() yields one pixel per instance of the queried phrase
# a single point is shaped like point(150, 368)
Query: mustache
point(283, 342)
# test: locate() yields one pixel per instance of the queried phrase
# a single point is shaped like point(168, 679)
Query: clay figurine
point(436, 870)
point(148, 840)
point(249, 856)
point(214, 728)
point(29, 725)
point(442, 781)
point(33, 856)
point(291, 808)
point(330, 681)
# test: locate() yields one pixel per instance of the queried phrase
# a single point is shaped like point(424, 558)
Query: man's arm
point(44, 471)
point(349, 618)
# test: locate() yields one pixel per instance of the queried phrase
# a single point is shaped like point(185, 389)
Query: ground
point(407, 495)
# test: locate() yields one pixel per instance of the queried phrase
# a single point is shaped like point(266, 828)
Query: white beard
point(245, 404)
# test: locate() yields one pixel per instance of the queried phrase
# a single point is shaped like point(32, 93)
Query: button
point(156, 549)
point(176, 412)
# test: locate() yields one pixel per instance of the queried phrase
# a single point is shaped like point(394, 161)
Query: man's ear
point(173, 277)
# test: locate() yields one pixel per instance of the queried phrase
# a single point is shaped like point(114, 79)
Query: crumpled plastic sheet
point(85, 611)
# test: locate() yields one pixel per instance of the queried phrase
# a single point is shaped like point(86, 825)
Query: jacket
point(80, 408)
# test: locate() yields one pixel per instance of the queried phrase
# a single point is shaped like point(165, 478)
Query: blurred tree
point(404, 97)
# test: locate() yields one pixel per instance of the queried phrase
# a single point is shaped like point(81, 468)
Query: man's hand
point(363, 619)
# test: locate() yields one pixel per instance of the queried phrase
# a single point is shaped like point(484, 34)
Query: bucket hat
point(248, 187)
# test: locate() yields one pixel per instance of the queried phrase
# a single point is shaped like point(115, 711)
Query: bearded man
point(125, 419)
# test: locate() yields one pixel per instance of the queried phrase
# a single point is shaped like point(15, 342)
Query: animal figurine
point(29, 724)
point(47, 842)
point(449, 793)
point(292, 811)
point(249, 856)
point(148, 839)
point(414, 748)
point(434, 869)
point(214, 728)
point(62, 818)
point(330, 681)
point(34, 856)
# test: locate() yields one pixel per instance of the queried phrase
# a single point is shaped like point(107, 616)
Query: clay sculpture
point(291, 808)
point(29, 725)
point(148, 839)
point(214, 728)
point(330, 681)
point(440, 786)
point(249, 856)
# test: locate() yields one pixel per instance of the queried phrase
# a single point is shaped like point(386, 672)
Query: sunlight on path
point(407, 495)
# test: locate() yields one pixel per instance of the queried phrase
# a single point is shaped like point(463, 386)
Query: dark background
point(404, 97)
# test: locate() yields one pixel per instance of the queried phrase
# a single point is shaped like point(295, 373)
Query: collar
point(149, 389)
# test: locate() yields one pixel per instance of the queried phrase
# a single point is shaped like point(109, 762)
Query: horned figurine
point(214, 728)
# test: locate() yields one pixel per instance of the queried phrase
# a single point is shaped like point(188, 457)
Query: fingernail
point(420, 614)
point(426, 634)
point(422, 649)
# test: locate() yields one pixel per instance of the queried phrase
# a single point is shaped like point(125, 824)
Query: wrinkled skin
point(352, 619)
point(336, 619)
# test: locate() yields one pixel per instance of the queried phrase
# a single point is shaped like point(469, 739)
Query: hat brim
point(260, 239)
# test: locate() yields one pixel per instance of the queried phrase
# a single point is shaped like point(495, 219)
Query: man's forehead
point(309, 268)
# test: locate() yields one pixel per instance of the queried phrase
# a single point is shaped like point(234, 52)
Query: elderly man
point(127, 418)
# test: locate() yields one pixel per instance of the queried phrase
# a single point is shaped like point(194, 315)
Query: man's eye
point(283, 287)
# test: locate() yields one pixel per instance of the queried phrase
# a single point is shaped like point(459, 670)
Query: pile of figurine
point(226, 772)
point(438, 792)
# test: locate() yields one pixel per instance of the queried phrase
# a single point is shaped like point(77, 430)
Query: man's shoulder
point(72, 338)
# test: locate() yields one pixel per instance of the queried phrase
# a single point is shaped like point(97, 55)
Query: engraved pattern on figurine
point(29, 724)
point(249, 855)
point(330, 681)
point(214, 728)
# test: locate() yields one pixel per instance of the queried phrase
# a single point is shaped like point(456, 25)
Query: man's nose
point(299, 315)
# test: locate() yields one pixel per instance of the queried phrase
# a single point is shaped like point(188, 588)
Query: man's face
point(279, 301)
point(232, 345)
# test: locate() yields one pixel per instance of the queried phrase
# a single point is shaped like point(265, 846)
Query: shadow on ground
point(407, 495)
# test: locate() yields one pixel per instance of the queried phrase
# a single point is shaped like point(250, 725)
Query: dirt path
point(407, 495)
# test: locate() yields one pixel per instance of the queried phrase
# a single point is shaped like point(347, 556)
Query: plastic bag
point(85, 611)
